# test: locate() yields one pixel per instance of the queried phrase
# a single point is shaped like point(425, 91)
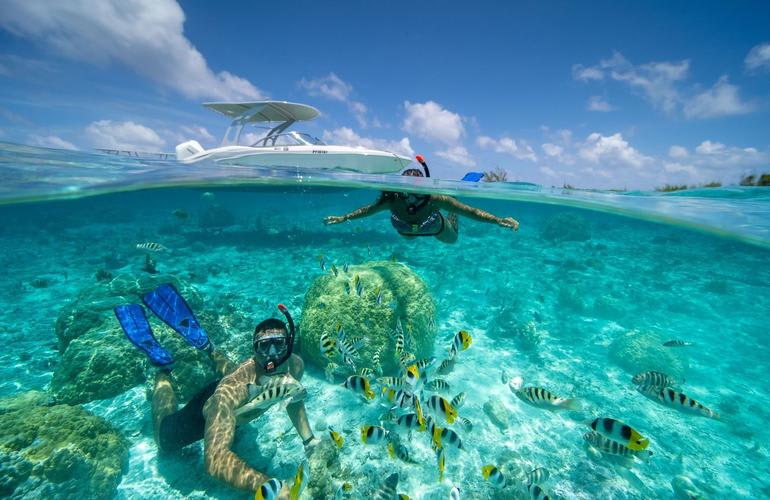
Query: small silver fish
point(458, 400)
point(151, 246)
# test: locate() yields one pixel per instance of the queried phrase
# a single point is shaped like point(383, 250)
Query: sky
point(591, 94)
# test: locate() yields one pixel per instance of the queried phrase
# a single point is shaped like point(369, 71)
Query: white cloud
point(506, 145)
point(548, 171)
point(335, 88)
point(144, 35)
point(676, 168)
point(552, 150)
point(597, 103)
point(722, 99)
point(123, 135)
point(677, 151)
point(758, 57)
point(50, 141)
point(345, 136)
point(656, 81)
point(611, 149)
point(197, 132)
point(457, 154)
point(709, 148)
point(432, 122)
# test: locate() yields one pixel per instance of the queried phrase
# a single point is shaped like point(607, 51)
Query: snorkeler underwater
point(501, 252)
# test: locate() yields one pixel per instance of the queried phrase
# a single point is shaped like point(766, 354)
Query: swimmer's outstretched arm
point(381, 204)
point(454, 205)
point(219, 412)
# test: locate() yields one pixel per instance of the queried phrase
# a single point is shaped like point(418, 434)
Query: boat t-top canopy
point(264, 111)
point(244, 113)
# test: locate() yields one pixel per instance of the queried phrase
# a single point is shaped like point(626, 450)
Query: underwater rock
point(566, 226)
point(324, 467)
point(333, 299)
point(102, 364)
point(57, 451)
point(638, 352)
point(497, 414)
point(94, 304)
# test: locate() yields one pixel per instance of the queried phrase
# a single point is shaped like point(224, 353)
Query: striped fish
point(405, 358)
point(448, 436)
point(358, 285)
point(655, 379)
point(391, 382)
point(458, 400)
point(334, 270)
point(398, 450)
point(268, 490)
point(441, 406)
point(284, 390)
point(424, 365)
point(372, 434)
point(536, 492)
point(619, 432)
point(610, 447)
point(347, 348)
point(677, 400)
point(411, 376)
point(678, 343)
point(399, 343)
point(345, 267)
point(539, 475)
point(378, 295)
point(152, 247)
point(462, 341)
point(336, 438)
point(359, 385)
point(300, 480)
point(542, 398)
point(327, 345)
point(387, 490)
point(420, 416)
point(436, 385)
point(376, 361)
point(399, 326)
point(467, 424)
point(388, 393)
point(366, 372)
point(403, 399)
point(446, 367)
point(492, 474)
point(322, 262)
point(408, 421)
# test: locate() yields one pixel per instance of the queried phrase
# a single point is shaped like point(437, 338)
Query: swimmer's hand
point(333, 219)
point(509, 222)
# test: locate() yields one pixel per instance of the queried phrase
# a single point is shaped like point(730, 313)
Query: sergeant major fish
point(542, 398)
point(677, 400)
point(678, 343)
point(151, 246)
point(283, 390)
point(436, 385)
point(655, 379)
point(398, 450)
point(619, 432)
point(610, 447)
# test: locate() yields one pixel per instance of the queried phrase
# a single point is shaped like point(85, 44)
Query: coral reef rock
point(98, 362)
point(57, 451)
point(332, 300)
point(637, 352)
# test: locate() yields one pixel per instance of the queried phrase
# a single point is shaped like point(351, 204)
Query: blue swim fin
point(136, 327)
point(167, 304)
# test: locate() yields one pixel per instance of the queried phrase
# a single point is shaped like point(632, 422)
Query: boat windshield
point(288, 139)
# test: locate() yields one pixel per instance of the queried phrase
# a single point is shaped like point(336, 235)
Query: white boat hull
point(306, 157)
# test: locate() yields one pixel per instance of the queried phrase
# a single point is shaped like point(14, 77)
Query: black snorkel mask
point(414, 201)
point(273, 349)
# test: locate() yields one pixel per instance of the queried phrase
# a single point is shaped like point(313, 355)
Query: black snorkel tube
point(290, 340)
point(421, 161)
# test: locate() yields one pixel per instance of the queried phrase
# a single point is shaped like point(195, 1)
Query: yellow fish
point(372, 434)
point(619, 432)
point(299, 481)
point(336, 437)
point(441, 464)
point(493, 475)
point(441, 406)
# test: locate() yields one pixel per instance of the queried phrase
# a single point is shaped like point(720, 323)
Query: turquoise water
point(583, 271)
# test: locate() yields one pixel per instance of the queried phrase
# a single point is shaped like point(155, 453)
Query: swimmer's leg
point(164, 401)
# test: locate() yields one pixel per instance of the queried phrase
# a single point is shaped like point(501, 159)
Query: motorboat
point(281, 148)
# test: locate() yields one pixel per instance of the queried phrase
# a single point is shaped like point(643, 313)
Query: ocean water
point(548, 303)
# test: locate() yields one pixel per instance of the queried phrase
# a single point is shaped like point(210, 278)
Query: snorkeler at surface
point(414, 214)
point(243, 393)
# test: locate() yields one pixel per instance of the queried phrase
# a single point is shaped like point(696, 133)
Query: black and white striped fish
point(151, 246)
point(678, 343)
point(376, 361)
point(535, 492)
point(448, 436)
point(283, 390)
point(366, 372)
point(610, 447)
point(492, 474)
point(405, 358)
point(399, 343)
point(542, 398)
point(467, 424)
point(446, 367)
point(458, 400)
point(424, 365)
point(436, 385)
point(372, 434)
point(408, 421)
point(387, 490)
point(619, 432)
point(378, 295)
point(359, 385)
point(677, 400)
point(398, 450)
point(537, 476)
point(327, 345)
point(656, 379)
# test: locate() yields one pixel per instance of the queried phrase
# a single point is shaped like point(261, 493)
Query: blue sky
point(606, 94)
